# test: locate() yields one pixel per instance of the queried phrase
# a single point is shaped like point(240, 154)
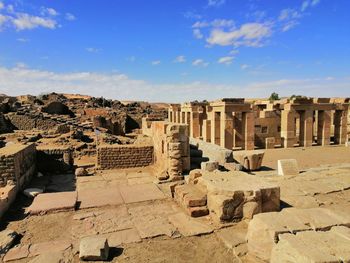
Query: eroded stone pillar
point(195, 126)
point(306, 128)
point(248, 130)
point(206, 129)
point(323, 128)
point(288, 128)
point(215, 127)
point(170, 115)
point(340, 126)
point(226, 129)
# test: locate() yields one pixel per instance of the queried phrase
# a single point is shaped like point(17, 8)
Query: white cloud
point(244, 66)
point(3, 20)
point(25, 21)
point(250, 34)
point(226, 60)
point(180, 59)
point(155, 62)
point(92, 49)
point(23, 40)
point(216, 3)
point(304, 5)
point(2, 5)
point(214, 23)
point(234, 52)
point(197, 33)
point(10, 9)
point(288, 13)
point(192, 15)
point(17, 81)
point(315, 2)
point(289, 25)
point(48, 11)
point(70, 17)
point(200, 63)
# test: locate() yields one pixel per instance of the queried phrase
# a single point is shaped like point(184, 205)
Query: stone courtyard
point(225, 181)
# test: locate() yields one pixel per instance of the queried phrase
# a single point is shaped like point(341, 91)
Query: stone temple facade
point(237, 124)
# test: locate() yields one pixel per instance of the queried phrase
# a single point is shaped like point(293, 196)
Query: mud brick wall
point(28, 122)
point(124, 156)
point(17, 164)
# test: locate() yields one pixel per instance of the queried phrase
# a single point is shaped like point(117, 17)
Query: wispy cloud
point(23, 40)
point(309, 3)
point(192, 15)
point(180, 59)
point(200, 63)
point(24, 80)
point(25, 21)
point(214, 23)
point(2, 6)
point(70, 17)
point(155, 62)
point(197, 33)
point(131, 59)
point(93, 50)
point(244, 66)
point(250, 34)
point(215, 3)
point(48, 11)
point(226, 60)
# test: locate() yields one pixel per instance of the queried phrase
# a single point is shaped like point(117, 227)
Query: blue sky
point(162, 50)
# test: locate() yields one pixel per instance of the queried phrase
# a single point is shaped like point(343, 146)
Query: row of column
point(306, 123)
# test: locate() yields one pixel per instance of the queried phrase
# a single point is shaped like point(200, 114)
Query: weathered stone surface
point(16, 253)
point(232, 237)
point(250, 160)
point(32, 192)
point(81, 171)
point(94, 248)
point(209, 166)
point(49, 202)
point(264, 229)
point(237, 195)
point(140, 193)
point(313, 246)
point(188, 226)
point(99, 197)
point(7, 238)
point(288, 167)
point(193, 175)
point(121, 237)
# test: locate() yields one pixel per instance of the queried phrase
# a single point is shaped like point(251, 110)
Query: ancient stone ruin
point(232, 180)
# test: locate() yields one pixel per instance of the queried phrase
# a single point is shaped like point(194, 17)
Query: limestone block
point(250, 160)
point(93, 248)
point(287, 167)
point(209, 166)
point(194, 174)
point(226, 208)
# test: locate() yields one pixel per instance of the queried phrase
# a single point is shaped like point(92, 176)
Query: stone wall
point(124, 156)
point(17, 166)
point(171, 147)
point(28, 122)
point(54, 158)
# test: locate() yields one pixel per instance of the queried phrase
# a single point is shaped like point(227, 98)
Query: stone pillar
point(206, 131)
point(215, 127)
point(323, 128)
point(248, 130)
point(238, 136)
point(288, 128)
point(306, 128)
point(183, 117)
point(195, 128)
point(340, 126)
point(170, 115)
point(226, 130)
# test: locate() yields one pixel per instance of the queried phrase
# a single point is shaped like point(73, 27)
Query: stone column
point(288, 128)
point(215, 127)
point(183, 117)
point(226, 130)
point(323, 128)
point(340, 126)
point(238, 136)
point(206, 131)
point(306, 128)
point(248, 130)
point(195, 128)
point(170, 115)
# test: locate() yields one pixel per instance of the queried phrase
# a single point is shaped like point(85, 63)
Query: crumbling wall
point(17, 166)
point(171, 147)
point(28, 122)
point(54, 159)
point(268, 129)
point(124, 156)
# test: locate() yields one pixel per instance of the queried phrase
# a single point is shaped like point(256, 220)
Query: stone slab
point(121, 237)
point(313, 246)
point(17, 253)
point(188, 226)
point(99, 197)
point(287, 167)
point(101, 222)
point(232, 237)
point(52, 202)
point(140, 193)
point(7, 238)
point(94, 248)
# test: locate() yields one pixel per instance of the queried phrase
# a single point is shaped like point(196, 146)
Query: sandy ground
point(308, 157)
point(205, 248)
